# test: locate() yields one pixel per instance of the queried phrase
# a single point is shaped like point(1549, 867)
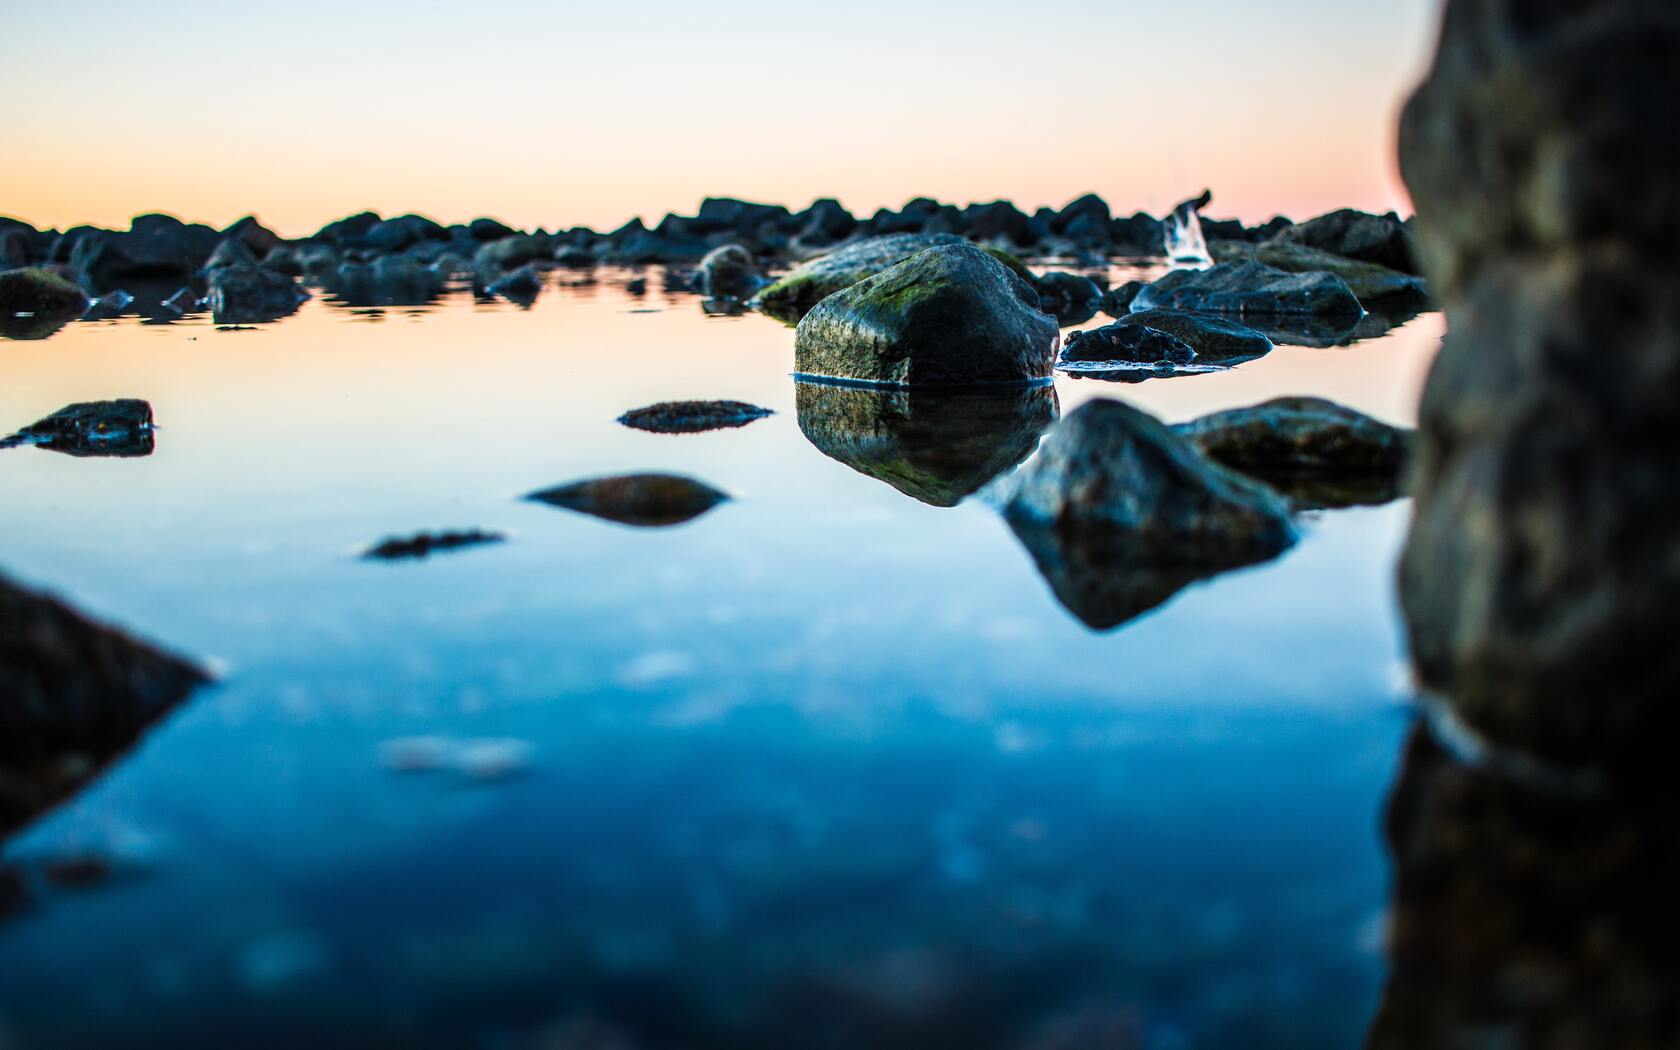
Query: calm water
point(828, 766)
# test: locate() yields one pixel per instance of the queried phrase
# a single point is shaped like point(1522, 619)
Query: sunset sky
point(558, 114)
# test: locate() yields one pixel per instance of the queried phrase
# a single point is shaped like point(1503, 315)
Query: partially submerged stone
point(520, 286)
point(813, 281)
point(1380, 239)
point(1111, 467)
point(691, 417)
point(92, 428)
point(729, 272)
point(1250, 287)
point(1368, 281)
point(251, 295)
point(951, 315)
point(36, 302)
point(1125, 352)
point(937, 446)
point(636, 499)
point(1313, 450)
point(74, 694)
point(1117, 301)
point(1070, 297)
point(1216, 340)
point(425, 544)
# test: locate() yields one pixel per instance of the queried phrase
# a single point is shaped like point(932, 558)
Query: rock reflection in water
point(936, 446)
point(1103, 578)
point(1527, 918)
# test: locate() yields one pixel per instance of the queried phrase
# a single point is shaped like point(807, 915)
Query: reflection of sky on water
point(824, 748)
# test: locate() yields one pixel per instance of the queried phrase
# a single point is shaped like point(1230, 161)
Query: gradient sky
point(557, 114)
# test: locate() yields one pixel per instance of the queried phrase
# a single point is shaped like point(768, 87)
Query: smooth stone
point(692, 417)
point(1380, 239)
point(636, 499)
point(1216, 340)
point(728, 272)
point(251, 295)
point(936, 446)
point(1368, 281)
point(1251, 288)
point(1072, 298)
point(520, 286)
point(949, 315)
point(807, 284)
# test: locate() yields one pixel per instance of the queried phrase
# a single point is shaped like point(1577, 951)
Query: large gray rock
point(1119, 513)
point(936, 446)
point(1379, 239)
point(1250, 287)
point(814, 280)
point(1369, 282)
point(1541, 577)
point(951, 315)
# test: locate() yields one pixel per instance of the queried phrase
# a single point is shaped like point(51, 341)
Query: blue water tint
point(826, 766)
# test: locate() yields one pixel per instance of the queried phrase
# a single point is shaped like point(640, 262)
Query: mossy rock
point(809, 283)
point(35, 303)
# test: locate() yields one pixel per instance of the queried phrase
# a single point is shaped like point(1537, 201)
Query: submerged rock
point(92, 428)
point(73, 695)
point(521, 286)
point(636, 499)
point(728, 272)
point(1117, 301)
point(1251, 287)
point(424, 544)
point(950, 315)
point(36, 302)
point(1368, 281)
point(251, 295)
point(1216, 340)
point(692, 417)
point(1311, 449)
point(936, 446)
point(811, 282)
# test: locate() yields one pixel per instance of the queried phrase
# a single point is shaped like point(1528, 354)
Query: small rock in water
point(635, 499)
point(521, 286)
point(92, 428)
point(252, 295)
point(728, 272)
point(1117, 301)
point(1071, 298)
point(423, 544)
point(952, 315)
point(1250, 287)
point(690, 417)
point(1124, 351)
point(481, 759)
point(1368, 281)
point(1216, 340)
point(36, 302)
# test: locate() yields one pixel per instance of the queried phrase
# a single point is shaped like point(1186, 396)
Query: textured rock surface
point(1216, 340)
point(949, 315)
point(1541, 577)
point(1250, 287)
point(809, 283)
point(936, 446)
point(692, 417)
point(1379, 239)
point(1368, 281)
point(635, 499)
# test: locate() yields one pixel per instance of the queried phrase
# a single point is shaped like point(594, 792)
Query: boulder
point(521, 286)
point(1112, 468)
point(1085, 220)
point(348, 231)
point(1541, 576)
point(1379, 239)
point(489, 230)
point(74, 694)
point(509, 253)
point(647, 500)
point(1071, 297)
point(231, 252)
point(999, 221)
point(401, 233)
point(1250, 287)
point(1117, 301)
point(950, 315)
point(92, 428)
point(725, 214)
point(42, 294)
point(729, 272)
point(1125, 352)
point(1311, 449)
point(936, 446)
point(251, 295)
point(812, 281)
point(824, 222)
point(155, 247)
point(254, 235)
point(1216, 340)
point(1368, 281)
point(692, 417)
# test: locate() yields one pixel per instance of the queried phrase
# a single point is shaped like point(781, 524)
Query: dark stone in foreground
point(1112, 468)
point(1250, 287)
point(951, 315)
point(692, 417)
point(73, 695)
point(425, 544)
point(49, 301)
point(936, 446)
point(1127, 352)
point(1300, 435)
point(811, 282)
point(1541, 577)
point(1526, 917)
point(92, 428)
point(636, 499)
point(1216, 340)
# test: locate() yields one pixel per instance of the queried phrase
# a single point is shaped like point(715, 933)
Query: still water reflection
point(830, 764)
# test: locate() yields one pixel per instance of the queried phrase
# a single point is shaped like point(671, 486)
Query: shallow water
point(827, 766)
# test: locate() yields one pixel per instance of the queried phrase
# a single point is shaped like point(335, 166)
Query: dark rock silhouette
point(692, 417)
point(728, 272)
point(46, 300)
point(936, 446)
point(92, 428)
point(635, 499)
point(949, 315)
point(425, 544)
point(1541, 577)
point(1368, 281)
point(1380, 239)
point(1251, 288)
